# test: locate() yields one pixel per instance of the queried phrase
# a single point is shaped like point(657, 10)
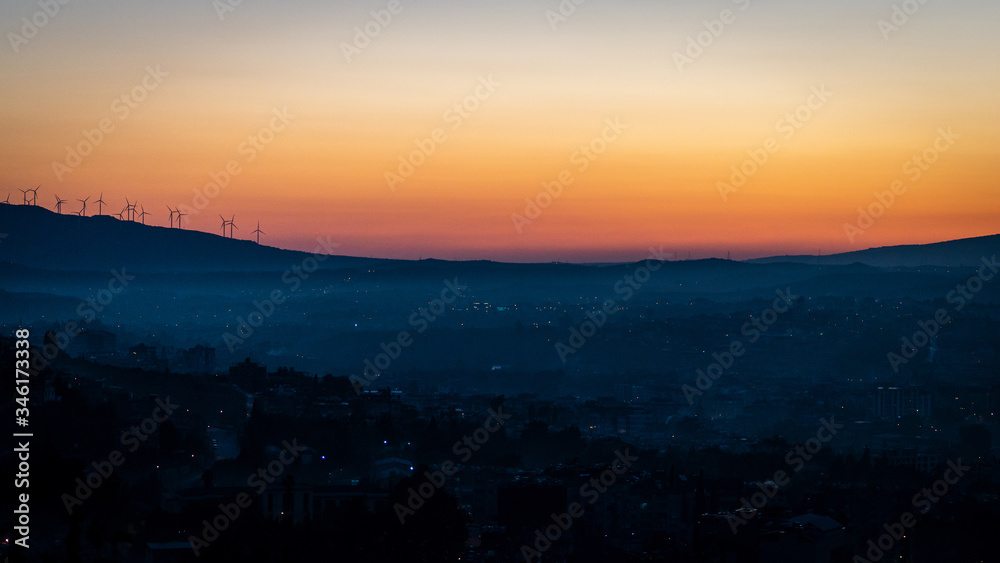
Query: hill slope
point(39, 238)
point(43, 239)
point(954, 253)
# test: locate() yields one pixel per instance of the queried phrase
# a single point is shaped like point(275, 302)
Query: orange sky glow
point(823, 107)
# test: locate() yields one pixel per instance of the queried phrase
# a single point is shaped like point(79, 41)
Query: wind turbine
point(6, 201)
point(24, 196)
point(59, 203)
point(232, 225)
point(34, 195)
point(258, 232)
point(179, 216)
point(83, 212)
point(100, 203)
point(224, 223)
point(142, 216)
point(172, 211)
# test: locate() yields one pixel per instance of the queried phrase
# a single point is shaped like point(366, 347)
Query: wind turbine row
point(128, 213)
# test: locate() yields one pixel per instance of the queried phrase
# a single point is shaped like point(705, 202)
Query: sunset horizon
point(405, 130)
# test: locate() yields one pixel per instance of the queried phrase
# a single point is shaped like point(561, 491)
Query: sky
point(516, 130)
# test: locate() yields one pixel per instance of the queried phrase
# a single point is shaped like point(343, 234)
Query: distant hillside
point(953, 253)
point(43, 239)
